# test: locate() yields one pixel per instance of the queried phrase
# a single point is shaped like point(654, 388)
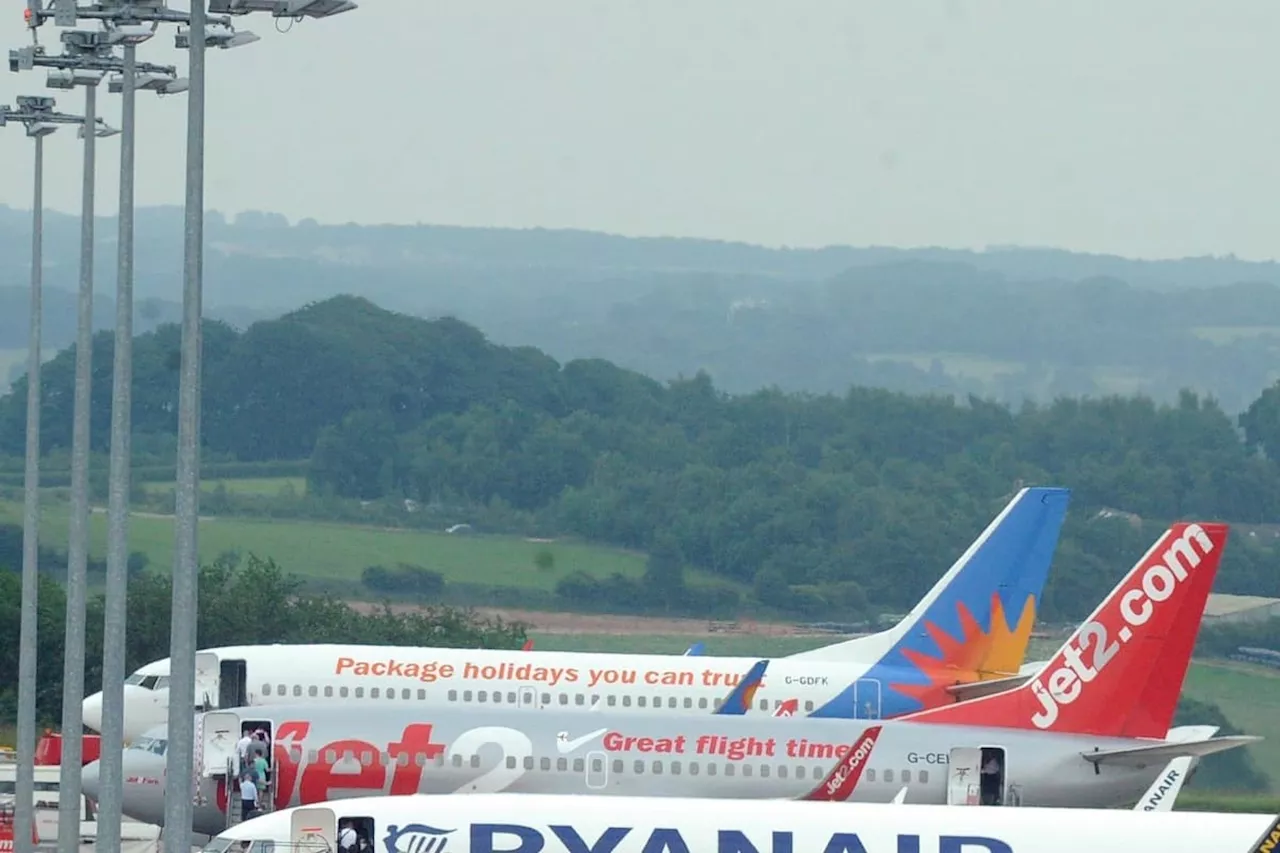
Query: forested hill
point(800, 500)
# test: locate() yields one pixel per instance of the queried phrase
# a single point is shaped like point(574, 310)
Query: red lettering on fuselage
point(318, 779)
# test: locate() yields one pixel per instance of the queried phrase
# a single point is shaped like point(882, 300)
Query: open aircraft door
point(207, 669)
point(312, 830)
point(221, 731)
point(963, 775)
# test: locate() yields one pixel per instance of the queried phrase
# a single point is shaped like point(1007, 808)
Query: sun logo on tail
point(976, 655)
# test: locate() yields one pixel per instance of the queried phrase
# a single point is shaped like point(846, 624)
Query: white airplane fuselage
point(501, 823)
point(321, 752)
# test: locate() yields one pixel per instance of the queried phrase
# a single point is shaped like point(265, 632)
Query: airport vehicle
point(1104, 744)
point(967, 634)
point(537, 823)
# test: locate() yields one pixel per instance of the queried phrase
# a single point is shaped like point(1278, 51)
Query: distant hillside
point(1006, 323)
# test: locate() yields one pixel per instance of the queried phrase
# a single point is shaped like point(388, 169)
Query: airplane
point(971, 629)
point(1103, 744)
point(548, 823)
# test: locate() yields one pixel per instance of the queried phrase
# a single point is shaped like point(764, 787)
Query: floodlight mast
point(38, 117)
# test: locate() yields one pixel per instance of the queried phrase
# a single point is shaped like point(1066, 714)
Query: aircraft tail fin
point(1120, 673)
point(528, 645)
point(739, 700)
point(843, 778)
point(1005, 567)
point(695, 650)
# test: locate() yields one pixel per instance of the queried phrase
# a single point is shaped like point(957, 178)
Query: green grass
point(1250, 698)
point(339, 552)
point(260, 487)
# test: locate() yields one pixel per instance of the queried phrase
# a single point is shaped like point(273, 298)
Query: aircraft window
point(819, 772)
point(342, 692)
point(546, 764)
point(702, 703)
point(162, 683)
point(297, 690)
point(922, 777)
point(564, 698)
point(457, 759)
point(764, 771)
point(497, 695)
point(688, 702)
point(562, 764)
point(800, 772)
point(149, 681)
point(906, 775)
point(693, 768)
point(359, 692)
point(673, 702)
point(782, 771)
point(764, 704)
point(871, 775)
point(217, 845)
point(613, 700)
point(617, 765)
point(406, 694)
point(808, 705)
point(657, 766)
point(546, 698)
point(313, 756)
point(266, 690)
point(453, 696)
point(313, 690)
point(511, 697)
point(640, 701)
point(746, 770)
point(711, 768)
point(716, 704)
point(422, 693)
point(373, 692)
point(639, 767)
point(511, 762)
point(888, 775)
point(150, 744)
point(475, 759)
point(330, 756)
point(626, 701)
point(134, 679)
point(402, 760)
point(675, 768)
point(420, 759)
point(482, 695)
point(466, 696)
point(578, 699)
point(528, 762)
point(328, 691)
point(579, 765)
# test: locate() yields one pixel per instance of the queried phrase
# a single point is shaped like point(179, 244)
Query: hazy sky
point(1140, 128)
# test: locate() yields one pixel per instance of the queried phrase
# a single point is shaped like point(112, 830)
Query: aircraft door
point(993, 779)
point(597, 770)
point(207, 670)
point(528, 697)
point(312, 830)
point(233, 688)
point(866, 698)
point(963, 774)
point(221, 731)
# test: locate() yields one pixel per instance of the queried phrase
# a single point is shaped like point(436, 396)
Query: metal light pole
point(39, 119)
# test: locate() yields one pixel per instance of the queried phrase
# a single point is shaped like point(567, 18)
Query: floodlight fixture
point(40, 128)
point(215, 35)
point(36, 102)
point(69, 78)
point(129, 33)
point(282, 8)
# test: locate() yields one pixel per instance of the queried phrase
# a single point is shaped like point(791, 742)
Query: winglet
point(843, 778)
point(738, 702)
point(1130, 656)
point(695, 650)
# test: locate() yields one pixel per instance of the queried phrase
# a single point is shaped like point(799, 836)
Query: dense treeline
point(807, 503)
point(249, 601)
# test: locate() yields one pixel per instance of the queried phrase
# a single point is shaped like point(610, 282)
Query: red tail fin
point(844, 777)
point(1121, 672)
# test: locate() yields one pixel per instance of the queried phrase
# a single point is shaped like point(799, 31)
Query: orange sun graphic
point(975, 656)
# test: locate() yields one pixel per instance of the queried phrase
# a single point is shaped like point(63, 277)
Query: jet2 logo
point(416, 838)
point(1157, 582)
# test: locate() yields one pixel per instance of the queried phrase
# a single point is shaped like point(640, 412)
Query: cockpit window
point(218, 845)
point(237, 845)
point(162, 683)
point(150, 744)
point(136, 678)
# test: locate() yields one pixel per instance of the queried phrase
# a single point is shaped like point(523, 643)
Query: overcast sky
point(1139, 128)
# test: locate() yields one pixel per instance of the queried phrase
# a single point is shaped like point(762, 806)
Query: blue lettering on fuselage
point(517, 838)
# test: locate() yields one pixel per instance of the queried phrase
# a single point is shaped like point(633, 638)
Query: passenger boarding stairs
point(266, 801)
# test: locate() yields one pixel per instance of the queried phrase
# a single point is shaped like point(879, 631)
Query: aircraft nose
point(89, 780)
point(91, 711)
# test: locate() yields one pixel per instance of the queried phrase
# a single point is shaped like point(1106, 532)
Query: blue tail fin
point(974, 624)
point(695, 650)
point(739, 701)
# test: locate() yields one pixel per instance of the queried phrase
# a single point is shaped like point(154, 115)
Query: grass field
point(340, 552)
point(264, 486)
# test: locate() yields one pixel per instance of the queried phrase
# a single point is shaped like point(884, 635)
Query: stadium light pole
point(36, 114)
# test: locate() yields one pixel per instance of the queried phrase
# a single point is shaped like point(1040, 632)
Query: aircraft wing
point(1164, 751)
